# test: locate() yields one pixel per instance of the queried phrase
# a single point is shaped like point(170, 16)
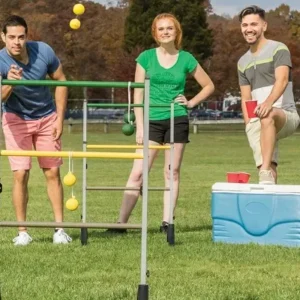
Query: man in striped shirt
point(265, 75)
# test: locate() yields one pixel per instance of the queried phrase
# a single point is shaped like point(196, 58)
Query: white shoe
point(60, 237)
point(266, 177)
point(22, 239)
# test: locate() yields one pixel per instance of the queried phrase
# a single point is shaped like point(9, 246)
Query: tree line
point(110, 38)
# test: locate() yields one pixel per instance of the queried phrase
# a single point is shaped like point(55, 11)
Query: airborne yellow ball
point(72, 204)
point(78, 9)
point(75, 24)
point(69, 179)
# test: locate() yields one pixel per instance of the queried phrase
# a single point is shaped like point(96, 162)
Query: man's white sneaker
point(60, 237)
point(22, 239)
point(266, 177)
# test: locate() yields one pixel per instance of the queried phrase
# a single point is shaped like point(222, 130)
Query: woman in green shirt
point(167, 66)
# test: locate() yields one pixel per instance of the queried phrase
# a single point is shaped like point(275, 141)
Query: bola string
point(71, 168)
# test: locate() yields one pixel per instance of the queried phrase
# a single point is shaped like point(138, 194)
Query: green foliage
point(197, 38)
point(229, 45)
point(86, 54)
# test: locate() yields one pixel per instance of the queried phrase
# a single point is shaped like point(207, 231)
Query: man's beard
point(257, 38)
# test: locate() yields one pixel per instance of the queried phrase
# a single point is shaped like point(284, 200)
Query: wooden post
point(195, 128)
point(70, 124)
point(105, 127)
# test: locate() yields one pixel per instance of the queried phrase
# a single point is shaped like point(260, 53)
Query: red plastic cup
point(244, 177)
point(251, 105)
point(233, 177)
point(238, 177)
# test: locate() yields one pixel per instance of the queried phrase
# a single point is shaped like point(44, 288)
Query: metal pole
point(171, 232)
point(69, 225)
point(126, 147)
point(143, 290)
point(96, 84)
point(121, 188)
point(75, 154)
point(124, 105)
point(112, 95)
point(0, 98)
point(1, 135)
point(84, 233)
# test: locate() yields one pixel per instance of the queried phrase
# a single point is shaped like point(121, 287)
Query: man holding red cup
point(265, 76)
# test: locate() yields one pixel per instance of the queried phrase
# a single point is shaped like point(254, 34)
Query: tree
point(197, 38)
point(228, 47)
point(88, 53)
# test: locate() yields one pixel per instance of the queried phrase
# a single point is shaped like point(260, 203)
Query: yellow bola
point(69, 179)
point(72, 203)
point(78, 9)
point(75, 24)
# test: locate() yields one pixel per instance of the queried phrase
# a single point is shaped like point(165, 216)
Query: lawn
point(108, 268)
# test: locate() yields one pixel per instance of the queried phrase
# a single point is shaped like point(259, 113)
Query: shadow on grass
point(193, 228)
point(104, 234)
point(246, 297)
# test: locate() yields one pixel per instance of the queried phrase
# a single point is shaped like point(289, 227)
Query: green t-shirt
point(166, 84)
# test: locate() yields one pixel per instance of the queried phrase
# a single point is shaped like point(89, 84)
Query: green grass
point(109, 267)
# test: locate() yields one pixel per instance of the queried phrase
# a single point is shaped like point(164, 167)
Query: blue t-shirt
point(31, 102)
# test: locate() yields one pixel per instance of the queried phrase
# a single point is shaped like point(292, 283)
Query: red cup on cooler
point(233, 177)
point(238, 177)
point(244, 177)
point(251, 105)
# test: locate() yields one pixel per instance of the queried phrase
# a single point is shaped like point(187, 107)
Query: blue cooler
point(253, 213)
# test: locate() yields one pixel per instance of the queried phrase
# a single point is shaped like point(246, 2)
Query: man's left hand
point(263, 109)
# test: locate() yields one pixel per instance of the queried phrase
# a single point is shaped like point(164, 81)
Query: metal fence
point(208, 110)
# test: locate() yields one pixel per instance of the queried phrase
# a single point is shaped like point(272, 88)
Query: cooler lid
point(255, 188)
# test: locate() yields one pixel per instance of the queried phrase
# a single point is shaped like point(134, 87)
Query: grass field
point(108, 268)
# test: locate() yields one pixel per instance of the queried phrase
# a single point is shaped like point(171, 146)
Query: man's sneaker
point(22, 239)
point(60, 237)
point(164, 227)
point(266, 177)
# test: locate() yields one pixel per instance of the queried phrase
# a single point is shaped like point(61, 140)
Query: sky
point(233, 7)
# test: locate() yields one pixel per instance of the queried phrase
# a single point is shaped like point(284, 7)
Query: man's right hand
point(15, 73)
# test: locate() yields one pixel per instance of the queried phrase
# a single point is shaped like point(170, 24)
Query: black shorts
point(159, 131)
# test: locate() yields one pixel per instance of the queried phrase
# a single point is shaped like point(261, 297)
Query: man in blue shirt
point(31, 119)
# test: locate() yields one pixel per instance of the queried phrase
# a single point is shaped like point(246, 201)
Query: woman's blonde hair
point(177, 25)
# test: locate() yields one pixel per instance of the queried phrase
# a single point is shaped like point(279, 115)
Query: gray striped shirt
point(259, 72)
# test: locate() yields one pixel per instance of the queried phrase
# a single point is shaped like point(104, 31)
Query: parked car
point(230, 114)
point(214, 114)
point(198, 113)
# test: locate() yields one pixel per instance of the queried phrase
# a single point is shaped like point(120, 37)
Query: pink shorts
point(28, 135)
